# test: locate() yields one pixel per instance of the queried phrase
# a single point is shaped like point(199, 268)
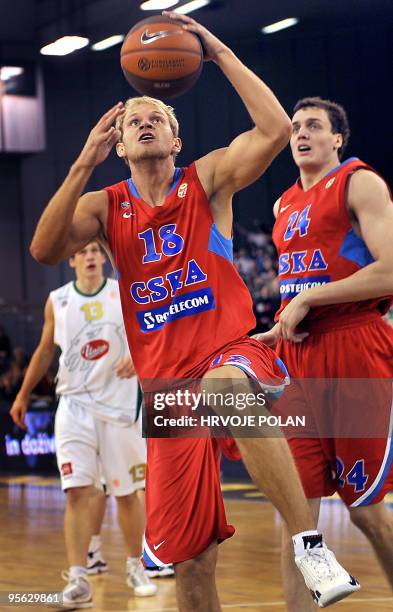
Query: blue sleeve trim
point(354, 249)
point(220, 245)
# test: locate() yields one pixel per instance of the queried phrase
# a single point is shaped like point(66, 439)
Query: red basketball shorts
point(184, 503)
point(360, 347)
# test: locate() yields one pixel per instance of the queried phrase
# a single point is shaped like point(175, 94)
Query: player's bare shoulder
point(91, 214)
point(94, 204)
point(206, 168)
point(366, 189)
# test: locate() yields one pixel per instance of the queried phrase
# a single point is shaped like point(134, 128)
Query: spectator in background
point(11, 380)
point(5, 350)
point(256, 261)
point(245, 264)
point(259, 235)
point(44, 392)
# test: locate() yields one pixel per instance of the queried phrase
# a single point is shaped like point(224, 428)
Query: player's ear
point(120, 149)
point(177, 145)
point(338, 141)
point(71, 262)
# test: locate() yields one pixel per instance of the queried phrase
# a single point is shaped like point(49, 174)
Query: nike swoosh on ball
point(147, 38)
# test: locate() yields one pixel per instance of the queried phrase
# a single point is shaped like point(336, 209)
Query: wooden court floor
point(32, 553)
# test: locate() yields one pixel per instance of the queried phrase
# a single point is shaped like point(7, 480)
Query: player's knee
point(77, 495)
point(371, 520)
point(194, 572)
point(198, 569)
point(127, 500)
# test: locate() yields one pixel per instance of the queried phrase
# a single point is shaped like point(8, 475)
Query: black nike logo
point(147, 38)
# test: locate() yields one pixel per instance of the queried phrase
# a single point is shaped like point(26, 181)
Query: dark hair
point(93, 241)
point(336, 113)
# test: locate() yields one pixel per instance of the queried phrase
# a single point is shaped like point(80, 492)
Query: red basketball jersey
point(181, 295)
point(316, 243)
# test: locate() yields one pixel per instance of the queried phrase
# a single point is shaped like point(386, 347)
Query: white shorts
point(88, 448)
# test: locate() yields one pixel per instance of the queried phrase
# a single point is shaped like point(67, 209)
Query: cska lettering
point(296, 262)
point(158, 288)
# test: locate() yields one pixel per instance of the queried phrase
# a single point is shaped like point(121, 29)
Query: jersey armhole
point(193, 174)
point(345, 186)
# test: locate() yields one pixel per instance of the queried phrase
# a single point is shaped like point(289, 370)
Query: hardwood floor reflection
point(32, 553)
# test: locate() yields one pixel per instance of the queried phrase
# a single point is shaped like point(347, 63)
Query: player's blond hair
point(138, 101)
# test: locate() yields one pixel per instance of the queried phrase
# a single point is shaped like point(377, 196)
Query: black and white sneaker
point(322, 573)
point(161, 572)
point(95, 563)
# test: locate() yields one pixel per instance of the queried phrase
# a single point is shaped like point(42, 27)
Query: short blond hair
point(138, 101)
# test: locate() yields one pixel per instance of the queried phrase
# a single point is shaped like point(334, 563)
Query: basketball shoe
point(78, 592)
point(323, 575)
point(161, 572)
point(96, 564)
point(138, 580)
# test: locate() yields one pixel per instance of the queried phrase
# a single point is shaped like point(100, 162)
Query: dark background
point(340, 49)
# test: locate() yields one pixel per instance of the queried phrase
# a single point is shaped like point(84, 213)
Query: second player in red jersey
point(333, 235)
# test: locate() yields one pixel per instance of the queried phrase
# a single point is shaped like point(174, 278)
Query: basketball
point(160, 59)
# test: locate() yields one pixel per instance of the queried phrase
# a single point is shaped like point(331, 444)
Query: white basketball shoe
point(78, 592)
point(322, 573)
point(138, 580)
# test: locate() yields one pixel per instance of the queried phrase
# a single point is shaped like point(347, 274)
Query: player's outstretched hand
point(101, 138)
point(18, 411)
point(291, 316)
point(212, 46)
point(125, 369)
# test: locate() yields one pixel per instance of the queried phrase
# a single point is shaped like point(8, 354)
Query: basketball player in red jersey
point(187, 314)
point(333, 231)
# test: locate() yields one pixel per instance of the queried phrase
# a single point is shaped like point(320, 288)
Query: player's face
point(313, 143)
point(88, 262)
point(147, 134)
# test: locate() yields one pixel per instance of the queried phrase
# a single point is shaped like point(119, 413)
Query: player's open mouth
point(146, 137)
point(303, 148)
point(91, 267)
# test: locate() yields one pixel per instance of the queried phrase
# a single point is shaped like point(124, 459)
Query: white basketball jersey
point(90, 332)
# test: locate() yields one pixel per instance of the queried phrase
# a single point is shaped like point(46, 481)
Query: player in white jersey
point(97, 428)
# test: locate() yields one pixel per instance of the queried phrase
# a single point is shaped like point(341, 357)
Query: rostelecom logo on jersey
point(181, 306)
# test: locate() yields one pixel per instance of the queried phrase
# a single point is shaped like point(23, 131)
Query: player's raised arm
point(249, 154)
point(70, 221)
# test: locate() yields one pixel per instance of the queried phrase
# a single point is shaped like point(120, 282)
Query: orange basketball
point(160, 59)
